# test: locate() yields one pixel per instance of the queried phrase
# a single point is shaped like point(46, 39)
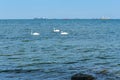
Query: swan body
point(35, 33)
point(56, 30)
point(64, 33)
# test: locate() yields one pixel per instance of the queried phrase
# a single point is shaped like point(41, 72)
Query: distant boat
point(64, 33)
point(35, 33)
point(56, 30)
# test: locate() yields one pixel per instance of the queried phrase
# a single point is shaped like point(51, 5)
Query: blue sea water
point(92, 47)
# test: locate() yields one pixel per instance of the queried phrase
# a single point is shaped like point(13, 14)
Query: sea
point(92, 46)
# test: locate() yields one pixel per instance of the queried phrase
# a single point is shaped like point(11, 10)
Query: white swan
point(56, 30)
point(64, 33)
point(35, 33)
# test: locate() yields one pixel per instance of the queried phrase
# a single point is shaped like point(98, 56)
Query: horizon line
point(54, 18)
point(59, 19)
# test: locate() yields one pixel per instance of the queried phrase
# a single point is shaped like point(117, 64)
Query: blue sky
point(14, 9)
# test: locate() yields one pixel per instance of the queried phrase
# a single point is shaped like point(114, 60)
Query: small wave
point(85, 59)
point(70, 62)
point(36, 64)
point(25, 40)
point(19, 71)
point(5, 55)
point(105, 57)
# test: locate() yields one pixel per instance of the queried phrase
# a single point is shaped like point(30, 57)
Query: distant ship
point(39, 18)
point(104, 18)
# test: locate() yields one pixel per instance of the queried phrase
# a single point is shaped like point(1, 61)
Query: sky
point(27, 9)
